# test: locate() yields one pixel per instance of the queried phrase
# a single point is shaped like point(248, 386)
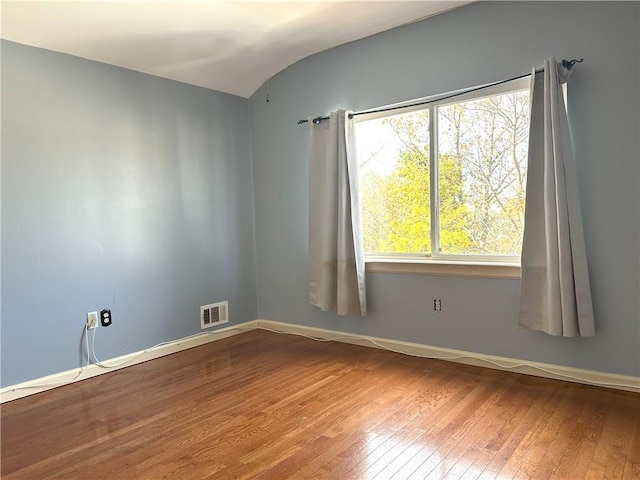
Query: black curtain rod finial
point(569, 64)
point(315, 121)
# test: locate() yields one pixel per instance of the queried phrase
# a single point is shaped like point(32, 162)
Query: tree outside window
point(475, 190)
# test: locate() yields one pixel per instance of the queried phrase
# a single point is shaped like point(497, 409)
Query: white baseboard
point(24, 389)
point(559, 372)
point(546, 370)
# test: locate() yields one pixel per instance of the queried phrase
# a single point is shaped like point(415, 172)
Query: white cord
point(451, 357)
point(129, 360)
point(61, 384)
point(91, 352)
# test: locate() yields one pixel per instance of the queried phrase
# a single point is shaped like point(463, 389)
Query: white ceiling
point(232, 46)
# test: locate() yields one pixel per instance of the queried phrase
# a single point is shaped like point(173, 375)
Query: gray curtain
point(336, 257)
point(555, 296)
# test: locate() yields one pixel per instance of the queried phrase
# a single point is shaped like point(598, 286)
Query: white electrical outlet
point(437, 304)
point(92, 320)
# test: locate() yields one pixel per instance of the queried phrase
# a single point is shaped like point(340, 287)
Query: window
point(446, 181)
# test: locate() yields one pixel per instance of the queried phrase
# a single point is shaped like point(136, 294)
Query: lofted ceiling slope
point(229, 46)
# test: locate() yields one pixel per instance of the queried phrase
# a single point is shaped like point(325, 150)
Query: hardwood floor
point(266, 406)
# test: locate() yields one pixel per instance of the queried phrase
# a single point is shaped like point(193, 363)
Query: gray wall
point(123, 191)
point(480, 43)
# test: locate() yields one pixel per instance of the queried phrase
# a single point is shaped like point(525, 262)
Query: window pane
point(394, 183)
point(482, 154)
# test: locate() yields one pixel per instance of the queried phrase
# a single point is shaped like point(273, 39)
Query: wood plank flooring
point(266, 406)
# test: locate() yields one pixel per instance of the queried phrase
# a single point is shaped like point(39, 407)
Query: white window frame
point(496, 266)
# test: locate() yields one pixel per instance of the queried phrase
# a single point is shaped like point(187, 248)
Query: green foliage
point(481, 181)
point(396, 206)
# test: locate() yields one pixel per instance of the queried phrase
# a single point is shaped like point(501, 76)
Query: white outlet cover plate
point(92, 320)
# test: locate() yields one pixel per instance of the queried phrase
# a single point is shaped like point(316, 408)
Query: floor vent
point(214, 314)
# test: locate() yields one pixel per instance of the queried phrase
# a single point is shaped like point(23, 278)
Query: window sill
point(447, 268)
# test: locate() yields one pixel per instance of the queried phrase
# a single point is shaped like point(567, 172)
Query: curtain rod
point(568, 64)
